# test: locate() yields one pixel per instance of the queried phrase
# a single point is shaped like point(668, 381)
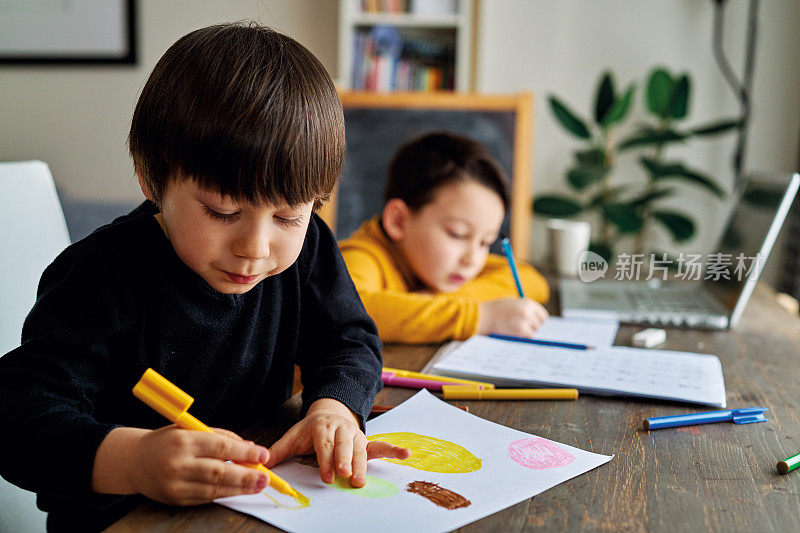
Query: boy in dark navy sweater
point(221, 281)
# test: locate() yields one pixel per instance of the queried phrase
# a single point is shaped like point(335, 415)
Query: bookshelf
point(406, 45)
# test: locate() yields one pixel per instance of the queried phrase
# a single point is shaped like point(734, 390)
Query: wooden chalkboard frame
point(520, 105)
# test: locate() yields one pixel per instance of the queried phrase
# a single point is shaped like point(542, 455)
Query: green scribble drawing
point(375, 487)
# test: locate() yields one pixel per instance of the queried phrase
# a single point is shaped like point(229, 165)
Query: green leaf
point(670, 170)
point(648, 136)
point(606, 197)
point(659, 93)
point(624, 216)
point(715, 128)
point(620, 107)
point(568, 119)
point(645, 199)
point(593, 156)
point(602, 249)
point(552, 205)
point(763, 198)
point(605, 97)
point(583, 176)
point(681, 226)
point(679, 105)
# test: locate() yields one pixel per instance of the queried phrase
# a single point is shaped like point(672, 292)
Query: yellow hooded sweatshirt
point(387, 287)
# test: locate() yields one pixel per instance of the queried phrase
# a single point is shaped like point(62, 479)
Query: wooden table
point(717, 477)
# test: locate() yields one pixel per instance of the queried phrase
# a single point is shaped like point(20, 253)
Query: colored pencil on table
point(789, 464)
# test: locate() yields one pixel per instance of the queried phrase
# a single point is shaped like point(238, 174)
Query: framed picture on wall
point(67, 31)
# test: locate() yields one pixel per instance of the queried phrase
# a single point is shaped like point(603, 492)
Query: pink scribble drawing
point(538, 453)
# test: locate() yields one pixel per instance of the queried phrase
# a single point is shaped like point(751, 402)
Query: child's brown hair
point(423, 165)
point(243, 110)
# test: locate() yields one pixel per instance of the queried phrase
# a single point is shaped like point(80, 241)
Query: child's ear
point(143, 185)
point(395, 218)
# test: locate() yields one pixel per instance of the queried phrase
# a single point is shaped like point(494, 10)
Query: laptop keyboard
point(649, 300)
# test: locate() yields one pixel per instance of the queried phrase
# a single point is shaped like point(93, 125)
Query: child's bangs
point(283, 141)
point(242, 110)
point(296, 160)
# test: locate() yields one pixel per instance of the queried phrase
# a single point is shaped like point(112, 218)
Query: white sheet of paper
point(591, 332)
point(617, 370)
point(513, 467)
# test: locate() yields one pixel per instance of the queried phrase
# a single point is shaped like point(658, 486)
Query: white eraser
point(647, 338)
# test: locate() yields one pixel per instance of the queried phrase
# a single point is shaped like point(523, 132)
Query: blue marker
point(506, 244)
point(745, 415)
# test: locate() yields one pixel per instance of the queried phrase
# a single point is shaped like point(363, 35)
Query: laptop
point(713, 300)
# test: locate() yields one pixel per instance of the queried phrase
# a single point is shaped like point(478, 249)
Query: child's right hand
point(177, 466)
point(511, 316)
point(183, 467)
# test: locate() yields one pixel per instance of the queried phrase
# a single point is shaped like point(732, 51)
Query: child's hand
point(331, 430)
point(511, 316)
point(182, 467)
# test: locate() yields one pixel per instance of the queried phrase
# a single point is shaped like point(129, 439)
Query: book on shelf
point(417, 7)
point(384, 60)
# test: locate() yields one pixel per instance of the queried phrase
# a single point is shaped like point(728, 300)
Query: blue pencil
point(541, 342)
point(506, 244)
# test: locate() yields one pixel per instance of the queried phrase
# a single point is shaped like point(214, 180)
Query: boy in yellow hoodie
point(423, 267)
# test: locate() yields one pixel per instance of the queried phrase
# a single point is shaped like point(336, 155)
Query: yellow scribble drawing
point(431, 454)
point(300, 499)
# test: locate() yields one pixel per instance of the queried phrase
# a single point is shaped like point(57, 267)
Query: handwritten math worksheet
point(609, 370)
point(461, 468)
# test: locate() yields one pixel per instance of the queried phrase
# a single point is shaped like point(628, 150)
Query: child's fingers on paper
point(359, 477)
point(377, 449)
point(212, 445)
point(541, 313)
point(216, 472)
point(292, 443)
point(324, 446)
point(343, 451)
point(534, 316)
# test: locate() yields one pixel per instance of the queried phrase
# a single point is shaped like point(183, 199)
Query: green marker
point(789, 464)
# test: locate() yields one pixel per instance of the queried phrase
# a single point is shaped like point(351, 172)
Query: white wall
point(76, 118)
point(562, 47)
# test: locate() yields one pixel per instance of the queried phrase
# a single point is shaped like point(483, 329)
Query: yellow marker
point(162, 395)
point(419, 375)
point(462, 392)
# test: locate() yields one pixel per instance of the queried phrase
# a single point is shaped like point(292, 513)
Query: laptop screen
point(760, 208)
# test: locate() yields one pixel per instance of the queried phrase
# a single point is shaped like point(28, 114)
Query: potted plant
point(628, 210)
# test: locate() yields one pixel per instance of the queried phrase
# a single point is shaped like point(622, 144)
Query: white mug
point(568, 239)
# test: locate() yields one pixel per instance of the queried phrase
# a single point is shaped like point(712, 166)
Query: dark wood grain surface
point(717, 477)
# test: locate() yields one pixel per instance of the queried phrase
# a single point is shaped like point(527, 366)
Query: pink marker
point(413, 383)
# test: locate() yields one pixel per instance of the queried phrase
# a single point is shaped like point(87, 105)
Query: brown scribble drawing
point(438, 495)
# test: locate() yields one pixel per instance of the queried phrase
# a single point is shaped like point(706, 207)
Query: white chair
point(32, 233)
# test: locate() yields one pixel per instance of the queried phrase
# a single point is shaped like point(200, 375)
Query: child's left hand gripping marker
point(171, 402)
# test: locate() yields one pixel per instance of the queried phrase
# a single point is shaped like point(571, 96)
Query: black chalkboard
point(375, 129)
